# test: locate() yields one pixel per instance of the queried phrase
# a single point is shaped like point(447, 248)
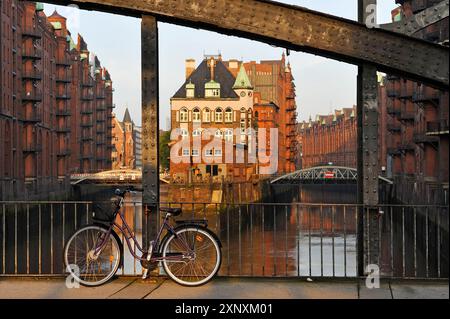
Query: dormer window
point(212, 89)
point(190, 90)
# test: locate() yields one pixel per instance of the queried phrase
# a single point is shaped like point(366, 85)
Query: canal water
point(285, 239)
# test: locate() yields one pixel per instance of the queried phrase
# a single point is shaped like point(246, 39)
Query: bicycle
point(190, 253)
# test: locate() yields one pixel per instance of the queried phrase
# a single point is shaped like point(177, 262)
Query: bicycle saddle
point(172, 211)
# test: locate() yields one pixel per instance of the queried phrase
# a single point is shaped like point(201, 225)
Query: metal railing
point(268, 240)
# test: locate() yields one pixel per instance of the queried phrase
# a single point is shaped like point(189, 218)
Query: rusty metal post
point(367, 110)
point(150, 128)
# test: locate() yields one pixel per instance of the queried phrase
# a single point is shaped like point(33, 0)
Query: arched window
point(196, 115)
point(228, 115)
point(196, 133)
point(219, 134)
point(183, 115)
point(256, 113)
point(206, 115)
point(229, 135)
point(184, 133)
point(219, 115)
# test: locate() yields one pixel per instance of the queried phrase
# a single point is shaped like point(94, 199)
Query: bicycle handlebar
point(131, 190)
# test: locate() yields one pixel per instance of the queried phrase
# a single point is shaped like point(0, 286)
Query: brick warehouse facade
point(330, 139)
point(257, 96)
point(417, 125)
point(42, 122)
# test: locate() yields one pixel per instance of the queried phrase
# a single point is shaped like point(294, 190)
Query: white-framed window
point(218, 134)
point(183, 115)
point(195, 152)
point(186, 152)
point(218, 115)
point(206, 115)
point(209, 152)
point(228, 115)
point(229, 135)
point(196, 115)
point(217, 152)
point(184, 133)
point(196, 133)
point(243, 113)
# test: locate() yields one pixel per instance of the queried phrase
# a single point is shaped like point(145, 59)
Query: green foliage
point(164, 151)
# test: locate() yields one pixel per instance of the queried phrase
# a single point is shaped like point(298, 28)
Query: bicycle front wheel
point(88, 264)
point(192, 257)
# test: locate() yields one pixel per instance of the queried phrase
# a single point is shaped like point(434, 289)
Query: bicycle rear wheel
point(85, 263)
point(192, 257)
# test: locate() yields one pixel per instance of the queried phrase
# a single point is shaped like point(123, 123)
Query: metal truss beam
point(295, 28)
point(420, 20)
point(319, 174)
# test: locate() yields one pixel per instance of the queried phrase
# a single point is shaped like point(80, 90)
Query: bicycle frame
point(128, 234)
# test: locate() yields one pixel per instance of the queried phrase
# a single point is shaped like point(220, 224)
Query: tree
point(164, 151)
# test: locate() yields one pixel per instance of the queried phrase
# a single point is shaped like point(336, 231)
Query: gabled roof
point(202, 75)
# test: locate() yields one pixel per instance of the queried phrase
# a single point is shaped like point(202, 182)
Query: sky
point(322, 85)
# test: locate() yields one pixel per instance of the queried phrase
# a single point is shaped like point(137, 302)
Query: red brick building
point(126, 143)
point(330, 139)
point(417, 125)
point(40, 109)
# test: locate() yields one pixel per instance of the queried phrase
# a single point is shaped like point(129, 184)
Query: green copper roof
point(39, 6)
point(242, 80)
point(56, 25)
point(212, 85)
point(72, 43)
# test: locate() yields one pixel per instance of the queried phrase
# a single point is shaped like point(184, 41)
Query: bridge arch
point(320, 174)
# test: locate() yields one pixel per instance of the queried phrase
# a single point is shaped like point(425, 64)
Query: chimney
point(190, 67)
point(212, 65)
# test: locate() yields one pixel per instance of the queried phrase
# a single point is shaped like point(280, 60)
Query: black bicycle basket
point(105, 211)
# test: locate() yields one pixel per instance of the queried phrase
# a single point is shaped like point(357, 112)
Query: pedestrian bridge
point(322, 174)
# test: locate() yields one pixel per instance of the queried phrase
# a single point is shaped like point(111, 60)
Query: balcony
point(407, 147)
point(87, 97)
point(100, 97)
point(87, 124)
point(63, 96)
point(392, 93)
point(101, 120)
point(63, 129)
point(64, 152)
point(31, 75)
point(31, 32)
point(392, 110)
point(438, 127)
point(32, 96)
point(426, 94)
point(87, 112)
point(32, 54)
point(32, 148)
point(394, 151)
point(89, 83)
point(407, 115)
point(406, 93)
point(100, 143)
point(86, 157)
point(63, 113)
point(63, 79)
point(101, 108)
point(393, 127)
point(86, 138)
point(422, 138)
point(32, 117)
point(63, 62)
